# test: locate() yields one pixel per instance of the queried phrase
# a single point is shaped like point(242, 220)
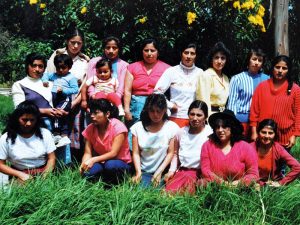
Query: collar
point(187, 68)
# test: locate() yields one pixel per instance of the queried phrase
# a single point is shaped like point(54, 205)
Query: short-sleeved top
point(190, 146)
point(154, 146)
point(143, 83)
point(27, 153)
point(103, 146)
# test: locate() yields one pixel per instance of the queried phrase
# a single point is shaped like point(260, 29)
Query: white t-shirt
point(190, 146)
point(27, 153)
point(154, 146)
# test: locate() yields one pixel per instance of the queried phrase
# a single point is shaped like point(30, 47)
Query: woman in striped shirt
point(242, 87)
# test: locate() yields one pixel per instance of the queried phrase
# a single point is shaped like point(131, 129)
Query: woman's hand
point(128, 115)
point(273, 183)
point(137, 178)
point(156, 179)
point(87, 165)
point(292, 142)
point(168, 176)
point(174, 108)
point(23, 177)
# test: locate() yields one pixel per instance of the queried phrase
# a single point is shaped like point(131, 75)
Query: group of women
point(196, 135)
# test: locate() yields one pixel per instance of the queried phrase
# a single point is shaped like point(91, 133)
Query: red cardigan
point(281, 156)
point(268, 103)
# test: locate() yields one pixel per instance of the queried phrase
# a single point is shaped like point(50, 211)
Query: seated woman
point(271, 157)
point(185, 166)
point(152, 141)
point(106, 152)
point(28, 147)
point(225, 157)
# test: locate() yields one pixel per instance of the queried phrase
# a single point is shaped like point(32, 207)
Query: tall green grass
point(66, 198)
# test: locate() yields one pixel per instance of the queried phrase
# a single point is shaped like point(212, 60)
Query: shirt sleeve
point(73, 87)
point(297, 111)
point(205, 163)
point(203, 90)
point(251, 165)
point(164, 83)
point(255, 107)
point(18, 94)
point(3, 147)
point(233, 95)
point(48, 141)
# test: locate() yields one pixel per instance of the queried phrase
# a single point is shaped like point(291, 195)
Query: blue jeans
point(112, 171)
point(146, 180)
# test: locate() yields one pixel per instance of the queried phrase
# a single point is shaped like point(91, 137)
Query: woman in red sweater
point(272, 156)
point(279, 99)
point(225, 157)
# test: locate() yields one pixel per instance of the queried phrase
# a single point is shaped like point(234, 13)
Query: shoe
point(63, 142)
point(56, 138)
point(121, 111)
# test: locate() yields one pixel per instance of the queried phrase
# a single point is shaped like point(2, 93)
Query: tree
point(281, 27)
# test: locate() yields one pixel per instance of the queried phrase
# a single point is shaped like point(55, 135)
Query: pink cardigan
point(239, 164)
point(122, 68)
point(280, 156)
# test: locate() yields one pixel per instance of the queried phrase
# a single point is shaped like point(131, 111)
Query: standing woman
point(152, 141)
point(141, 78)
point(242, 87)
point(106, 152)
point(181, 80)
point(74, 43)
point(112, 50)
point(215, 92)
point(272, 156)
point(225, 157)
point(185, 167)
point(28, 147)
point(278, 98)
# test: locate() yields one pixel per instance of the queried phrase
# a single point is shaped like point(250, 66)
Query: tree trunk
point(281, 27)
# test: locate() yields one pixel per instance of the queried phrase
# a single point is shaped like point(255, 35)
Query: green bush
point(6, 107)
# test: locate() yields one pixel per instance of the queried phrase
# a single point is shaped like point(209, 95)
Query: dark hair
point(289, 64)
point(146, 42)
point(13, 125)
point(236, 132)
point(187, 45)
point(63, 58)
point(153, 100)
point(103, 62)
point(30, 59)
point(267, 122)
point(198, 104)
point(112, 38)
point(254, 51)
point(73, 31)
point(219, 47)
point(104, 106)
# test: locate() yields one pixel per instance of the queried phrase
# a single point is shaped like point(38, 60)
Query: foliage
point(12, 55)
point(66, 198)
point(6, 107)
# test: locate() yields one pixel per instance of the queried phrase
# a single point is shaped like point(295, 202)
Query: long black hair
point(13, 126)
point(153, 100)
point(289, 64)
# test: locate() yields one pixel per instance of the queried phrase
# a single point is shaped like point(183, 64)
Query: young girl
point(152, 141)
point(64, 86)
point(106, 152)
point(25, 145)
point(104, 86)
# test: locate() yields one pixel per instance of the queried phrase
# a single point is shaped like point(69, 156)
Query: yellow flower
point(248, 5)
point(263, 29)
point(252, 19)
point(191, 17)
point(237, 5)
point(32, 2)
point(261, 11)
point(42, 5)
point(83, 10)
point(143, 20)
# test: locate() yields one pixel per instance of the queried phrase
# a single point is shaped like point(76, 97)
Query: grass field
point(66, 198)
